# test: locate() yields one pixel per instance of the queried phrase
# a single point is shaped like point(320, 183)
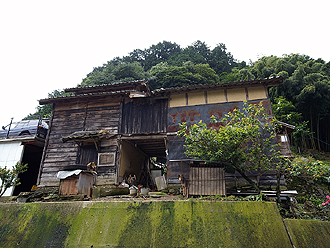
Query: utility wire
point(318, 139)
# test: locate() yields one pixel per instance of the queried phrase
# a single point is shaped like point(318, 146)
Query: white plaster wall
point(10, 153)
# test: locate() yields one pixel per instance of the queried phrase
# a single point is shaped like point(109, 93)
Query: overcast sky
point(48, 45)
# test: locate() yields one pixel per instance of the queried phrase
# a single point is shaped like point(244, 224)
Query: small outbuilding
point(76, 182)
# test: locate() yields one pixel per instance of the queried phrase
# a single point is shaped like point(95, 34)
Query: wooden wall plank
point(70, 117)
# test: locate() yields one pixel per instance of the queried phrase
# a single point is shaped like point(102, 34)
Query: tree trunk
point(312, 138)
point(318, 131)
point(278, 186)
point(255, 187)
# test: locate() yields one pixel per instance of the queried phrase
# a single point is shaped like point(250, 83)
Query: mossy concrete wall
point(309, 233)
point(143, 224)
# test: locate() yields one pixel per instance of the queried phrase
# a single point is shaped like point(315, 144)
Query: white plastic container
point(133, 191)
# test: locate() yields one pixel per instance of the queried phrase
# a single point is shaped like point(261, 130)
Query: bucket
point(144, 191)
point(133, 191)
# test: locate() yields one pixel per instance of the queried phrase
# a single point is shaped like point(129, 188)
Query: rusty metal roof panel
point(85, 135)
point(72, 97)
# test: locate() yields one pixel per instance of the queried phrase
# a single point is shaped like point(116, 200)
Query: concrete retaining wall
point(144, 224)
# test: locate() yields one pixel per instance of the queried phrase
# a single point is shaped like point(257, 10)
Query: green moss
point(34, 225)
point(309, 233)
point(103, 191)
point(97, 224)
point(152, 224)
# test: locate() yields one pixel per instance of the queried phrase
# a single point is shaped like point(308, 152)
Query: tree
point(222, 61)
point(45, 111)
point(245, 139)
point(314, 101)
point(166, 76)
point(285, 111)
point(162, 52)
point(306, 85)
point(119, 72)
point(9, 176)
point(197, 53)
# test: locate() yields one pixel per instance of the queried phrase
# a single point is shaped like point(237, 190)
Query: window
point(107, 159)
point(87, 154)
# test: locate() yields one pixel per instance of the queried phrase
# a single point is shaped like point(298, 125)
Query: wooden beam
point(145, 137)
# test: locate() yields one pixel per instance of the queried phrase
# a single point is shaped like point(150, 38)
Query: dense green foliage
point(111, 72)
point(309, 168)
point(166, 76)
point(167, 65)
point(306, 87)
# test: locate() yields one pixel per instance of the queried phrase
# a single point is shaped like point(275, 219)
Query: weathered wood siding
point(144, 116)
point(72, 116)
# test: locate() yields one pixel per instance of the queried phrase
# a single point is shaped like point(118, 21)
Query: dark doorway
point(32, 156)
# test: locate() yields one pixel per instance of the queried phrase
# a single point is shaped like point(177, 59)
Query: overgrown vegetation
point(306, 86)
point(244, 139)
point(9, 176)
point(309, 175)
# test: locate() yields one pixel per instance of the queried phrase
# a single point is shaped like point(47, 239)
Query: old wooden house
point(122, 125)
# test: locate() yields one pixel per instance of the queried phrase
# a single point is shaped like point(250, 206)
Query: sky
point(49, 45)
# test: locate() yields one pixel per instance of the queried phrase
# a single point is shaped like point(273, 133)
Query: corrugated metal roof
point(113, 87)
point(119, 88)
point(266, 82)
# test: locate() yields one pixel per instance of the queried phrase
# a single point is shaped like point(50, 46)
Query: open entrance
point(142, 159)
point(32, 156)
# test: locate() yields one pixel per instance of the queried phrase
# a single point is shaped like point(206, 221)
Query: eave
point(267, 82)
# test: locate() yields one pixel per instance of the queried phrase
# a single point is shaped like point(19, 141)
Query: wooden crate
point(77, 184)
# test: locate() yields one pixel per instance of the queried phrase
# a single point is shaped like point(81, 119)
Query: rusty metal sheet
point(68, 185)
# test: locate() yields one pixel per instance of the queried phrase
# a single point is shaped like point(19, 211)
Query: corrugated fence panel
point(207, 181)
